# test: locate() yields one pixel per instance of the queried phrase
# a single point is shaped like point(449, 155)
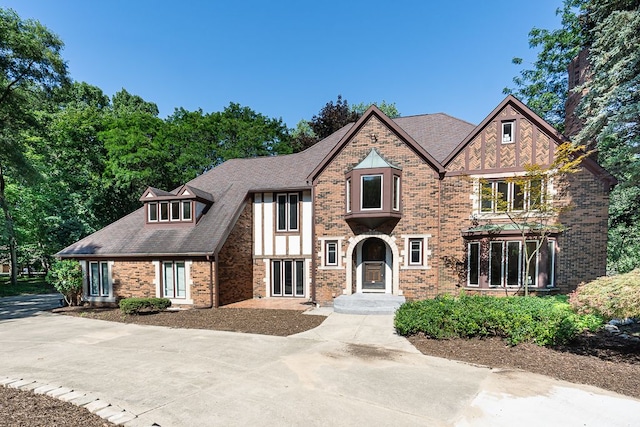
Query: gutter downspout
point(210, 281)
point(313, 244)
point(440, 179)
point(216, 298)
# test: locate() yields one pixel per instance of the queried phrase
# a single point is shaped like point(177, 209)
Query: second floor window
point(173, 211)
point(502, 196)
point(287, 212)
point(371, 192)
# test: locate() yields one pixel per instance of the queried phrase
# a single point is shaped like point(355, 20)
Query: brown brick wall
point(419, 207)
point(259, 275)
point(133, 279)
point(583, 246)
point(235, 261)
point(202, 292)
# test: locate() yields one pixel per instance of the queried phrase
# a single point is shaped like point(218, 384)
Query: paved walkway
point(352, 370)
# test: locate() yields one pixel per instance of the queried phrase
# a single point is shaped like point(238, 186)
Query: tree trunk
point(8, 219)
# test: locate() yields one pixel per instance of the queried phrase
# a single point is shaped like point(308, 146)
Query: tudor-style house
point(381, 206)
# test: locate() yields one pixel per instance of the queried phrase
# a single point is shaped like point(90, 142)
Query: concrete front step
point(367, 304)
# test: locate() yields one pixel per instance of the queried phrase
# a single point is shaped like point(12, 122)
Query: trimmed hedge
point(612, 297)
point(541, 320)
point(137, 305)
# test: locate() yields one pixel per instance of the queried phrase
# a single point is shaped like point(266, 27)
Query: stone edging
point(93, 404)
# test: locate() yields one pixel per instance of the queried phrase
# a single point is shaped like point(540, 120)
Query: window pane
point(168, 279)
point(518, 197)
point(502, 196)
point(416, 252)
point(299, 278)
point(474, 263)
point(288, 278)
point(531, 259)
point(94, 287)
point(104, 279)
point(550, 263)
point(293, 211)
point(153, 211)
point(507, 132)
point(513, 263)
point(396, 193)
point(332, 249)
point(372, 192)
point(486, 195)
point(181, 282)
point(164, 211)
point(175, 211)
point(495, 264)
point(186, 211)
point(276, 272)
point(348, 197)
point(282, 212)
point(535, 194)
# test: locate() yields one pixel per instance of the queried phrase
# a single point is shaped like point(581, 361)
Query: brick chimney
point(579, 72)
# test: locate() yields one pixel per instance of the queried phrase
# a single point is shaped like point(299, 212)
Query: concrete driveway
point(352, 370)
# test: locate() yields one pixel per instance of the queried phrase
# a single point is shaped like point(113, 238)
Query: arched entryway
point(373, 260)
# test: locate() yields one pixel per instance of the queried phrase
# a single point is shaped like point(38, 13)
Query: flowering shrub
point(612, 297)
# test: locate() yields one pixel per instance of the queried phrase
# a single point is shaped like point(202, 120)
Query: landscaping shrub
point(138, 305)
point(544, 321)
point(66, 277)
point(612, 297)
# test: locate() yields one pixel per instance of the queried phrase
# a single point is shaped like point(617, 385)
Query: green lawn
point(26, 285)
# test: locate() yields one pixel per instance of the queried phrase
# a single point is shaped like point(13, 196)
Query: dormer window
point(177, 208)
point(372, 193)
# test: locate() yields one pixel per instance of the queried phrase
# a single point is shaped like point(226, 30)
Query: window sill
point(415, 267)
point(99, 299)
point(508, 289)
point(180, 301)
point(331, 267)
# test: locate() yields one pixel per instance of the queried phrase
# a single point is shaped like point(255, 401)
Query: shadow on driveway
point(27, 305)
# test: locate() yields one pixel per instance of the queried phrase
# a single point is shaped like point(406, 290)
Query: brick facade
point(134, 279)
point(235, 261)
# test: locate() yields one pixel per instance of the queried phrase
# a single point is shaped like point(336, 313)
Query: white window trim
point(339, 253)
point(86, 283)
point(348, 194)
point(362, 177)
point(287, 213)
point(502, 263)
point(406, 252)
point(155, 204)
point(182, 217)
point(160, 211)
point(512, 137)
point(157, 281)
point(396, 192)
point(294, 262)
point(420, 251)
point(476, 198)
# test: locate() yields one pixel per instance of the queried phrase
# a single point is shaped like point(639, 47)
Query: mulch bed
point(25, 408)
point(253, 321)
point(602, 360)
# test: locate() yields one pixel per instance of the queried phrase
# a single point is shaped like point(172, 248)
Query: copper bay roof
point(230, 183)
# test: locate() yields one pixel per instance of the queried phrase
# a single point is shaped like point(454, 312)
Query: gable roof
point(589, 164)
point(432, 136)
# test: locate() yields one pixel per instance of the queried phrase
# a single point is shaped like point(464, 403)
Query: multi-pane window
point(506, 264)
point(508, 129)
point(174, 279)
point(415, 251)
point(331, 253)
point(287, 212)
point(287, 278)
point(502, 196)
point(99, 280)
point(371, 192)
point(173, 211)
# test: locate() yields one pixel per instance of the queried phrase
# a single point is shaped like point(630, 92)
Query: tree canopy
point(609, 106)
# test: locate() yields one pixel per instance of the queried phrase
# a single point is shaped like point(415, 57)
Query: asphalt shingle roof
point(231, 182)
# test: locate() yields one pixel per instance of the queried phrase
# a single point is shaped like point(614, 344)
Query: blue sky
point(289, 58)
